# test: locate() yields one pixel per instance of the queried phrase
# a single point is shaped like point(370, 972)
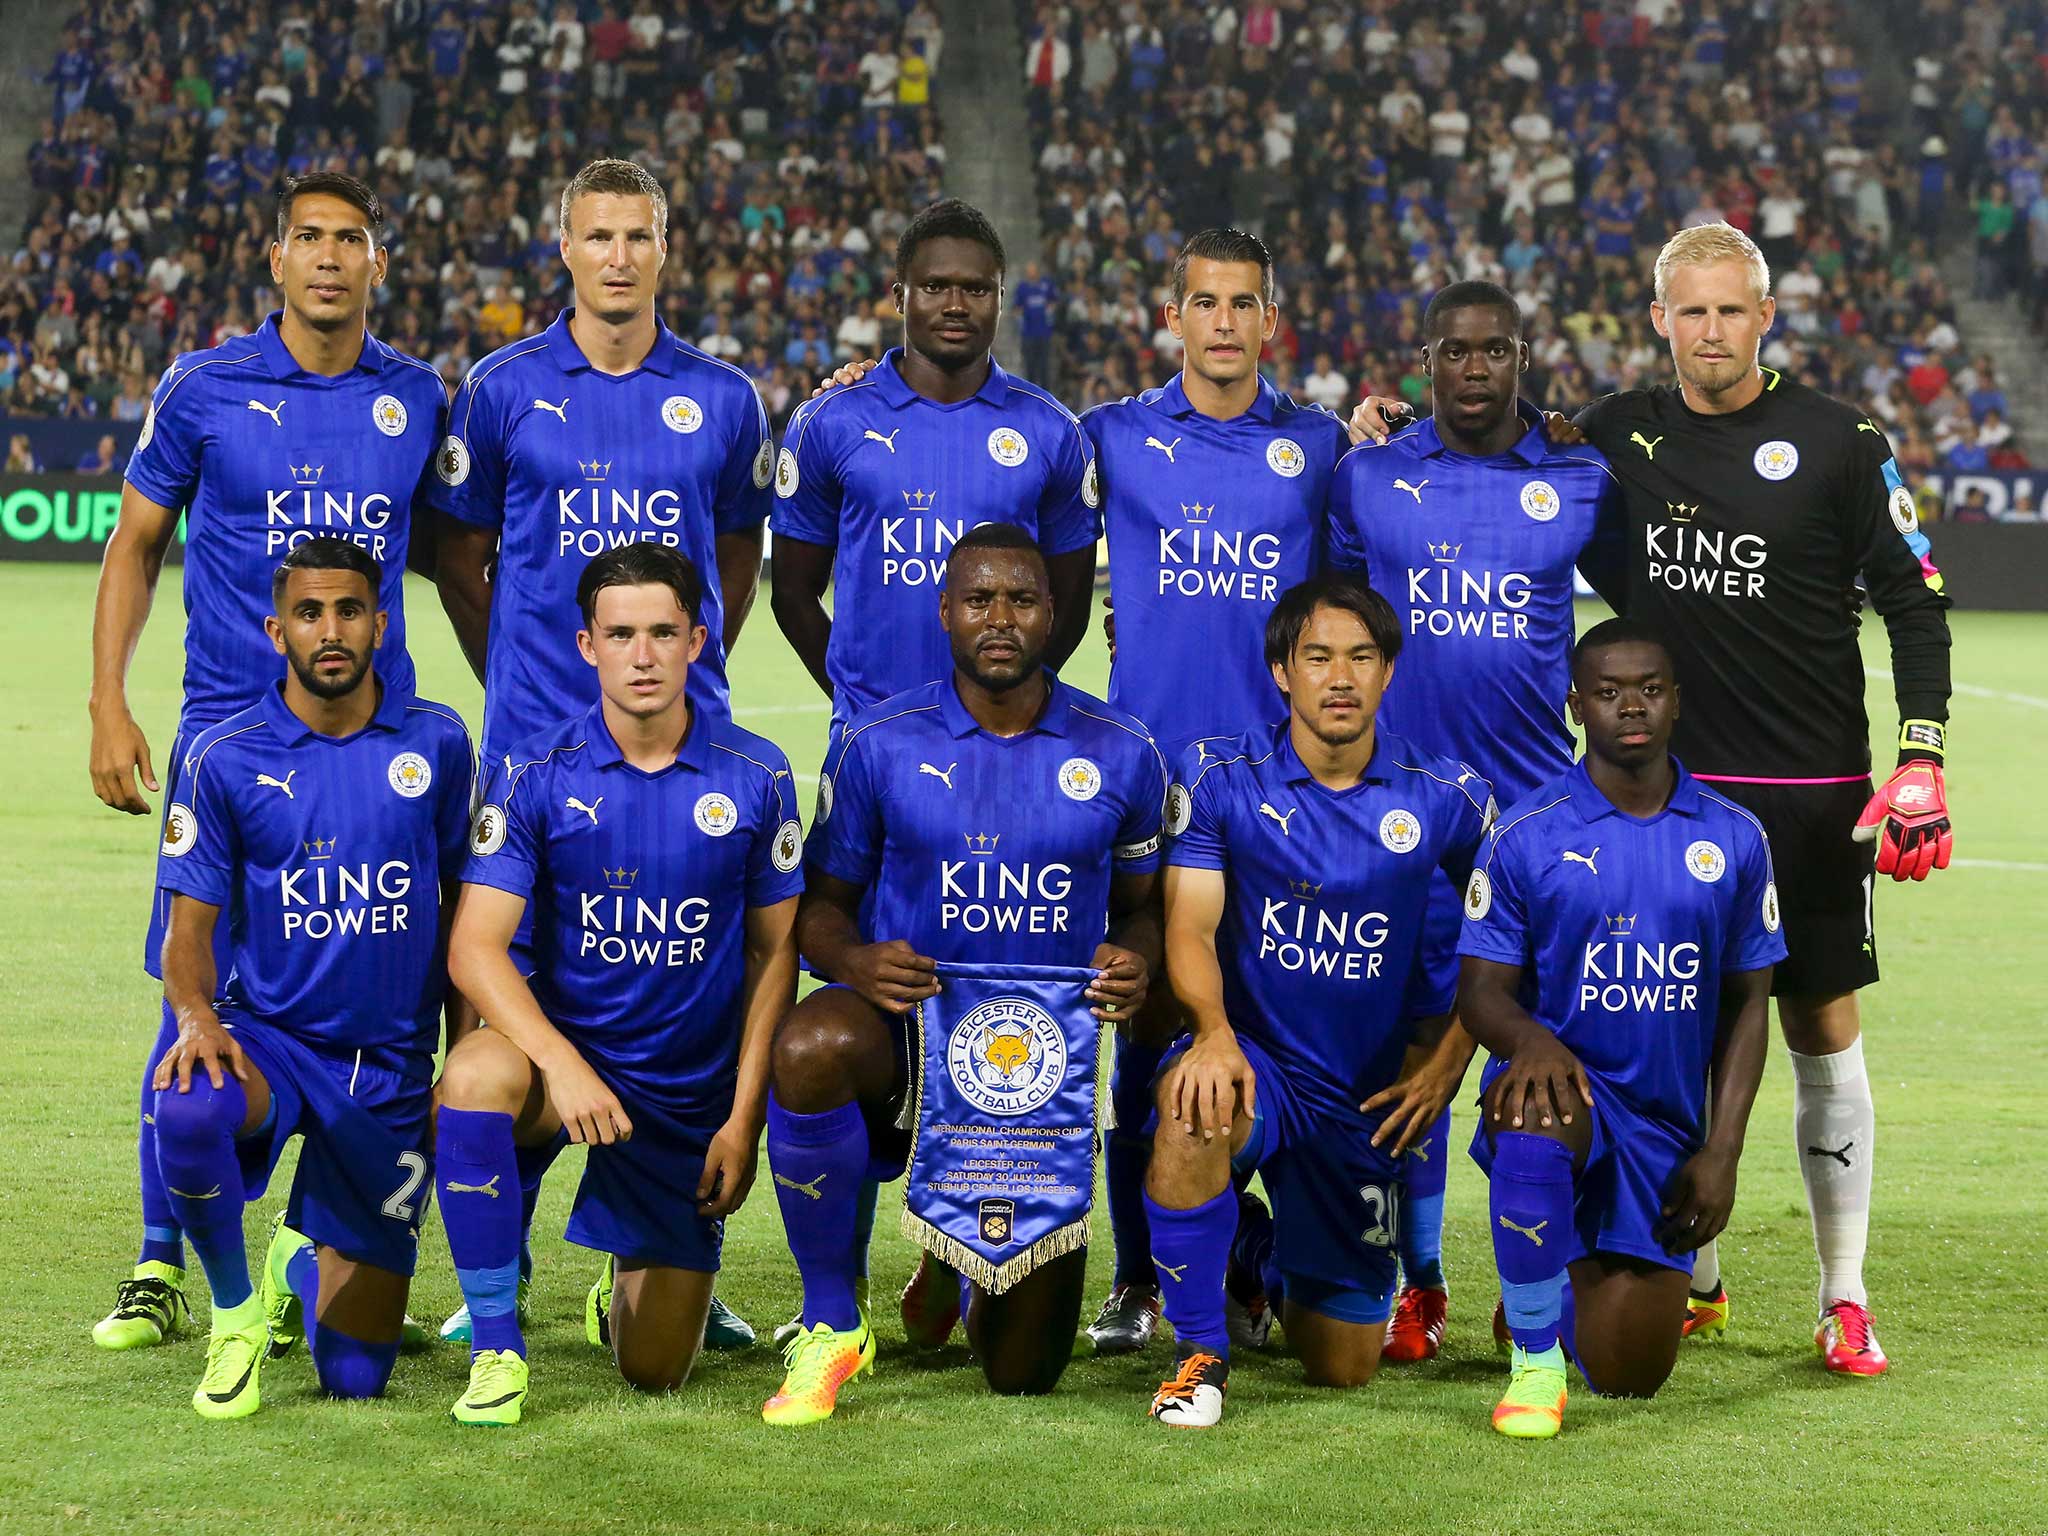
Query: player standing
point(1618, 946)
point(309, 426)
point(325, 821)
point(1474, 523)
point(1753, 505)
point(604, 429)
point(1214, 490)
point(1297, 885)
point(656, 846)
point(994, 815)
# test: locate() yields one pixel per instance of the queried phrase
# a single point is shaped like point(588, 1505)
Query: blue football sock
point(1530, 1213)
point(350, 1367)
point(195, 1150)
point(478, 1171)
point(864, 1225)
point(163, 1239)
point(534, 1163)
point(1421, 1239)
point(302, 1279)
point(1189, 1252)
point(818, 1163)
point(1126, 1151)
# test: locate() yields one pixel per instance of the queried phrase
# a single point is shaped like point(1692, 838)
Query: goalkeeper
point(1753, 504)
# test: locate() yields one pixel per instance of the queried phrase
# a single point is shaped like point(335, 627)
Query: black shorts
point(1824, 881)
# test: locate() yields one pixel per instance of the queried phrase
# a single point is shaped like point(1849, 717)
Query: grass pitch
point(1750, 1435)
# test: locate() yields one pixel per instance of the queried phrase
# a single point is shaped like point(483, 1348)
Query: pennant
point(1002, 1172)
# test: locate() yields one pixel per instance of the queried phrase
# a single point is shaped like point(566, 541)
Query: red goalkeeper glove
point(1909, 819)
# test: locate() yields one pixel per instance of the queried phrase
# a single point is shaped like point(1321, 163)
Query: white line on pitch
point(1975, 692)
point(2020, 865)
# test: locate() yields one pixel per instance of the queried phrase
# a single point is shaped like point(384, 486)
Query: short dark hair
point(641, 564)
point(325, 552)
point(948, 219)
point(1223, 245)
point(1618, 631)
point(988, 536)
point(357, 194)
point(1475, 293)
point(621, 178)
point(1298, 604)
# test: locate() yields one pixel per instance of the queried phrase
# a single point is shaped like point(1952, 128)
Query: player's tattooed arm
point(739, 579)
point(1431, 1073)
point(128, 575)
point(766, 995)
point(480, 964)
point(463, 553)
point(1127, 960)
point(1541, 1076)
point(189, 984)
point(1702, 1192)
point(891, 975)
point(1212, 1083)
point(802, 571)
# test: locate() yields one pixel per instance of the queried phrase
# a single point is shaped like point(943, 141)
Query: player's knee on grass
point(362, 1300)
point(486, 1074)
point(1336, 1334)
point(831, 1047)
point(1025, 1337)
point(657, 1323)
point(1628, 1323)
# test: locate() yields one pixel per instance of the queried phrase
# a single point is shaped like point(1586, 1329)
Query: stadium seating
point(1383, 150)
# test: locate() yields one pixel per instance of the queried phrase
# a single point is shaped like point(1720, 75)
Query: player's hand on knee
point(1697, 1205)
point(119, 755)
point(1209, 1082)
point(1542, 1079)
point(1122, 980)
point(203, 1042)
point(1378, 416)
point(891, 975)
point(844, 374)
point(590, 1112)
point(728, 1171)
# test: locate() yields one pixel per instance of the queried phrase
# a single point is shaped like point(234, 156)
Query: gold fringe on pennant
point(994, 1278)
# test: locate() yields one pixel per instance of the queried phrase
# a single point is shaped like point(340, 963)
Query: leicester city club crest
point(1007, 1057)
point(388, 412)
point(682, 414)
point(1400, 832)
point(1541, 501)
point(409, 775)
point(1776, 460)
point(1705, 861)
point(716, 814)
point(1285, 458)
point(1080, 779)
point(1007, 447)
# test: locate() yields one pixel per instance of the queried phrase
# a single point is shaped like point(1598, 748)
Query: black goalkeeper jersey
point(1745, 535)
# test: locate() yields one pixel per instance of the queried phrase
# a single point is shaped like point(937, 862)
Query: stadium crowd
point(794, 144)
point(1385, 151)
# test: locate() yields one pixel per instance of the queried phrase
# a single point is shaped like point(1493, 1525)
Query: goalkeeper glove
point(1908, 818)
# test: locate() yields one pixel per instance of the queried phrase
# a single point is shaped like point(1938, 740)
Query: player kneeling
point(326, 820)
point(656, 848)
point(1298, 879)
point(1618, 947)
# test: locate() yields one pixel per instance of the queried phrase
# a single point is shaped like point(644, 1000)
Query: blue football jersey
point(1208, 522)
point(1476, 555)
point(889, 480)
point(326, 856)
point(1324, 893)
point(974, 846)
point(1623, 928)
point(262, 455)
point(637, 888)
point(566, 463)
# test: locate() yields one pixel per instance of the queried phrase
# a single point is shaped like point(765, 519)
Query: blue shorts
point(366, 1169)
point(160, 896)
point(1617, 1199)
point(1336, 1197)
point(638, 1198)
point(1433, 987)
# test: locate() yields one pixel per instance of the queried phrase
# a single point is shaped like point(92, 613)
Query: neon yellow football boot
point(497, 1390)
point(820, 1361)
point(1532, 1408)
point(234, 1364)
point(149, 1306)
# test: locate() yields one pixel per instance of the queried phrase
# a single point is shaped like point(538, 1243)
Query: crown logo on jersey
point(621, 879)
point(1198, 514)
point(594, 469)
point(320, 848)
point(982, 844)
point(1681, 511)
point(919, 501)
point(1621, 924)
point(1305, 890)
point(307, 474)
point(1445, 552)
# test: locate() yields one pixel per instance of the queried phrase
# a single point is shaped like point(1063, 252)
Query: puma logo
point(589, 810)
point(1647, 444)
point(1583, 858)
point(889, 442)
point(1528, 1232)
point(488, 1187)
point(183, 1196)
point(284, 783)
point(1864, 426)
point(559, 412)
point(781, 773)
point(1267, 810)
point(943, 775)
point(1165, 448)
point(1413, 490)
point(1841, 1156)
point(272, 411)
point(810, 1188)
point(1421, 1154)
point(1173, 1271)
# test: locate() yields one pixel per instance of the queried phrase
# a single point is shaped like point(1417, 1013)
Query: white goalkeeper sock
point(1835, 1129)
point(1706, 1269)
